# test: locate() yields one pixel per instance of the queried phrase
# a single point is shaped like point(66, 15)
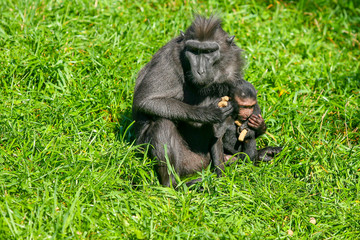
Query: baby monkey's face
point(246, 107)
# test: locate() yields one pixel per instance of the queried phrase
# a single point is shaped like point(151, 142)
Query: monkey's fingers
point(254, 121)
point(261, 118)
point(253, 118)
point(251, 121)
point(256, 117)
point(252, 125)
point(227, 110)
point(257, 120)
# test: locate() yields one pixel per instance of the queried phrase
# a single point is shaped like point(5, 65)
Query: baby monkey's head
point(244, 100)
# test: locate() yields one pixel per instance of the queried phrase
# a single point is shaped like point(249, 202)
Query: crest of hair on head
point(204, 28)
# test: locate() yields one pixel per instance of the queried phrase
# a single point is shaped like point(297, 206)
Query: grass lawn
point(69, 165)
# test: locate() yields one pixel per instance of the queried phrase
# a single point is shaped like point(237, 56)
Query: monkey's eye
point(247, 107)
point(191, 49)
point(209, 51)
point(200, 51)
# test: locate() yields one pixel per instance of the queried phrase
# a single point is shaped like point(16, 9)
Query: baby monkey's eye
point(247, 107)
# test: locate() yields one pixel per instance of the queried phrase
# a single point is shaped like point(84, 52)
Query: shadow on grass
point(123, 129)
point(139, 167)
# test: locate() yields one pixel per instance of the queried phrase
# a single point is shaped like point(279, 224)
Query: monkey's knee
point(160, 134)
point(166, 148)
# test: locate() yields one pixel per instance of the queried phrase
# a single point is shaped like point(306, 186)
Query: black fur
point(175, 101)
point(230, 133)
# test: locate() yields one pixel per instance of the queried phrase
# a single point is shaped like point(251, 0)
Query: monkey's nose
point(201, 72)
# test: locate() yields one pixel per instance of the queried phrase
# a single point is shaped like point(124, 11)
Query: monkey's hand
point(216, 114)
point(226, 111)
point(224, 102)
point(257, 123)
point(212, 113)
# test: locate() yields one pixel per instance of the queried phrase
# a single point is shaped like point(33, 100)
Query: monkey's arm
point(233, 146)
point(174, 109)
point(249, 148)
point(164, 100)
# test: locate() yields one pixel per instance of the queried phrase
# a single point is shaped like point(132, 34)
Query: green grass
point(70, 169)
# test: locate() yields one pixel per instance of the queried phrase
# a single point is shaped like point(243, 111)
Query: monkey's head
point(211, 54)
point(244, 101)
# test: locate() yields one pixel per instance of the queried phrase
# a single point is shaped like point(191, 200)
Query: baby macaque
point(240, 130)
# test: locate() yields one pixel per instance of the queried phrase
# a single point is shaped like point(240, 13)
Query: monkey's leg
point(230, 159)
point(249, 147)
point(217, 156)
point(163, 134)
point(218, 160)
point(192, 182)
point(246, 149)
point(268, 153)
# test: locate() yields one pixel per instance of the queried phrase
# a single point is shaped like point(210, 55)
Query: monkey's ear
point(230, 39)
point(182, 34)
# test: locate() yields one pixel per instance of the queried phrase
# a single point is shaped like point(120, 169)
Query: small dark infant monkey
point(240, 130)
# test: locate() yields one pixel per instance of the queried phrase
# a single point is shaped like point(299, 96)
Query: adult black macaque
point(245, 124)
point(176, 96)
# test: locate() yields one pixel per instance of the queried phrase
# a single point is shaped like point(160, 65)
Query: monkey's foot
point(268, 153)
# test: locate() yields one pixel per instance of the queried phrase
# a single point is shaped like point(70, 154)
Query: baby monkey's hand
point(257, 123)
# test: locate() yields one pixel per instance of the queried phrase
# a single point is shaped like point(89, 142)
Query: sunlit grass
point(70, 169)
